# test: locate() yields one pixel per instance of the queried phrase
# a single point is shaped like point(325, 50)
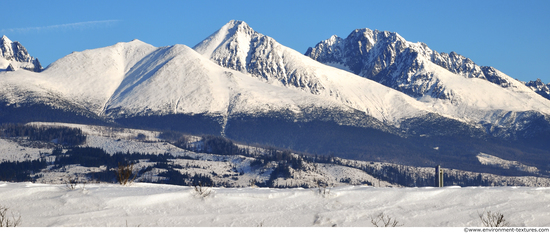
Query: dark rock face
point(540, 88)
point(10, 68)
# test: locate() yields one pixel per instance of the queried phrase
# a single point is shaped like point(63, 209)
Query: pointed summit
point(234, 31)
point(231, 44)
point(14, 54)
point(5, 39)
point(237, 24)
point(237, 46)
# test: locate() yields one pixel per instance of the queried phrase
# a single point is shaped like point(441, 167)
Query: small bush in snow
point(323, 189)
point(125, 173)
point(253, 183)
point(490, 219)
point(383, 220)
point(202, 191)
point(72, 183)
point(6, 221)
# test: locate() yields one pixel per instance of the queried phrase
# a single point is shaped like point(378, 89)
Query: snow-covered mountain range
point(388, 58)
point(373, 89)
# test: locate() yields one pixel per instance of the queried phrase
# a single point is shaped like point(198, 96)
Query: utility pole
point(438, 176)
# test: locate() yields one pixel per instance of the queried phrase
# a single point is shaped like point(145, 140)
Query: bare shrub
point(252, 183)
point(125, 173)
point(490, 219)
point(201, 190)
point(323, 188)
point(72, 182)
point(383, 220)
point(6, 221)
point(129, 226)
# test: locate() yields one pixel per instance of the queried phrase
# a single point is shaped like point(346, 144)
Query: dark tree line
point(208, 144)
point(20, 171)
point(95, 157)
point(59, 134)
point(177, 178)
point(410, 177)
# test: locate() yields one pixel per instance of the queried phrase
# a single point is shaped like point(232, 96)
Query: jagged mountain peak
point(388, 58)
point(12, 53)
point(5, 39)
point(236, 45)
point(238, 25)
point(540, 88)
point(376, 35)
point(334, 39)
point(231, 31)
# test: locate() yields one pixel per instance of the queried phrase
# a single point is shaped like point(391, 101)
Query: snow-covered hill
point(154, 205)
point(91, 77)
point(265, 167)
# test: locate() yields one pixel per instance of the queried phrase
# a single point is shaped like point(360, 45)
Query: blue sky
point(512, 36)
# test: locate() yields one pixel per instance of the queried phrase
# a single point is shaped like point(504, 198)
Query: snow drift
point(150, 205)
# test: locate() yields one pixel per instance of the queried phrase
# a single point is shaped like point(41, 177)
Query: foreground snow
point(152, 205)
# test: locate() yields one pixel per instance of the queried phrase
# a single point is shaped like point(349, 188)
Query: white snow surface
point(155, 205)
point(487, 159)
point(11, 151)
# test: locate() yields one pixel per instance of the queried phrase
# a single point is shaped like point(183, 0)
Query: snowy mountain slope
point(79, 83)
point(492, 160)
point(137, 79)
point(14, 56)
point(92, 76)
point(24, 97)
point(177, 79)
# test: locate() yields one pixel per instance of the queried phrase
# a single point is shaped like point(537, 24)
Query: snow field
point(152, 205)
point(12, 151)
